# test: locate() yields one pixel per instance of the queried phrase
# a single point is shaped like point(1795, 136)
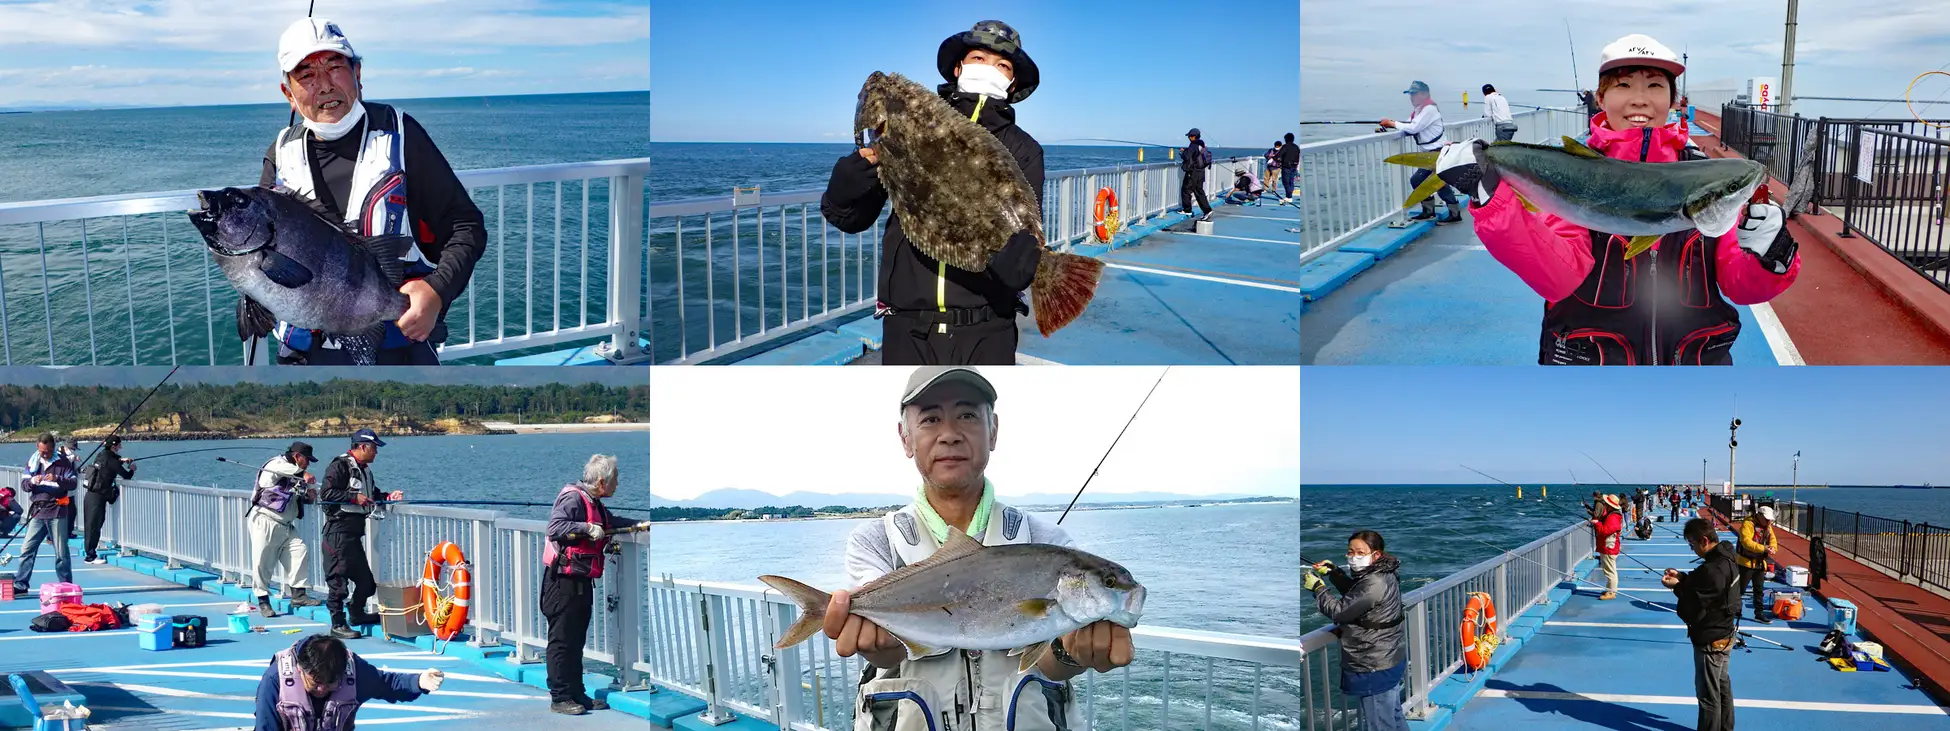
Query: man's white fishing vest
point(957, 690)
point(375, 205)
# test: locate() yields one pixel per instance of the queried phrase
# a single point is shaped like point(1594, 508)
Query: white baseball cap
point(309, 36)
point(1639, 50)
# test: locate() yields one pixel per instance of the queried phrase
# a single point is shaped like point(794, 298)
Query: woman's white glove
point(1763, 234)
point(430, 680)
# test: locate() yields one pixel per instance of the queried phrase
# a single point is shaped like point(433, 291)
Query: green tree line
point(26, 407)
point(790, 511)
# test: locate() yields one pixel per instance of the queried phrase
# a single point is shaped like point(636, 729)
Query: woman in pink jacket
point(1671, 305)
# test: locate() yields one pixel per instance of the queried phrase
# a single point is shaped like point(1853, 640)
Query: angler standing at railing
point(350, 493)
point(948, 427)
point(99, 481)
point(49, 481)
point(932, 313)
point(350, 157)
point(578, 528)
point(1498, 112)
point(1289, 167)
point(1194, 159)
point(277, 504)
point(1368, 617)
point(1425, 127)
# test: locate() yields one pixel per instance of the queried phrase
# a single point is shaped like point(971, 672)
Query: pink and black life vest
point(580, 558)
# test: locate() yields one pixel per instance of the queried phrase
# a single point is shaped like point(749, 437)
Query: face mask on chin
point(334, 130)
point(978, 78)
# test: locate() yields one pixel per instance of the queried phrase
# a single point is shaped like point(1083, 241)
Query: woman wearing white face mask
point(933, 314)
point(1368, 620)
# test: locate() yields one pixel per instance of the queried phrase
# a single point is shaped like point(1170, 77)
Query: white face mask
point(335, 130)
point(1357, 563)
point(977, 78)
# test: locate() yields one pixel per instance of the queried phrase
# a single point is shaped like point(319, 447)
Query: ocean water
point(1221, 568)
point(1438, 530)
point(517, 467)
point(52, 155)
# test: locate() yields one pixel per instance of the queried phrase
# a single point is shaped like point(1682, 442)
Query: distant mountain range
point(736, 499)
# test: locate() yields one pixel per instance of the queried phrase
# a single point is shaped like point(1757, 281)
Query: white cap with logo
point(309, 36)
point(1639, 50)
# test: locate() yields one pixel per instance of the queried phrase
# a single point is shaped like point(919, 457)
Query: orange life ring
point(446, 615)
point(1106, 224)
point(1477, 649)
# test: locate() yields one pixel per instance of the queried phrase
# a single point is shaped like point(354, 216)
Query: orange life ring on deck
point(1478, 648)
point(446, 615)
point(1106, 224)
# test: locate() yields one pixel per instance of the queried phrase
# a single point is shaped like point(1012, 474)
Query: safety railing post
point(1502, 588)
point(169, 532)
point(626, 268)
point(524, 621)
point(1419, 672)
point(713, 657)
point(784, 668)
point(628, 586)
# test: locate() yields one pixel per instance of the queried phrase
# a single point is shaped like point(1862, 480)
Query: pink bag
point(55, 594)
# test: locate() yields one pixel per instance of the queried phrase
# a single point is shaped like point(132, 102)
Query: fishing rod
point(1113, 445)
point(404, 501)
point(1351, 122)
point(194, 451)
point(1575, 79)
point(1596, 585)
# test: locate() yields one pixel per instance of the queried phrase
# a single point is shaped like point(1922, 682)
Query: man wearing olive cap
point(932, 313)
point(948, 427)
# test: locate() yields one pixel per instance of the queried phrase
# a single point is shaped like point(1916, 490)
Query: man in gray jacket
point(277, 504)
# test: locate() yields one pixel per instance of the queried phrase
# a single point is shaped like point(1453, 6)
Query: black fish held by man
point(289, 261)
point(960, 195)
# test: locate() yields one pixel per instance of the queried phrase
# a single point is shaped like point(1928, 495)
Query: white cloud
point(1223, 429)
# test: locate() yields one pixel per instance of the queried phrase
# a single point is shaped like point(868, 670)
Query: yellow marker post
point(1140, 154)
point(1519, 492)
point(1465, 100)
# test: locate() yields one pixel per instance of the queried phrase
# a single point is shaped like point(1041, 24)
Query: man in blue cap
point(1425, 127)
point(349, 495)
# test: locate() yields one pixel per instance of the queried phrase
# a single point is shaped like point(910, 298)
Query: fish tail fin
point(1423, 191)
point(1064, 285)
point(1423, 160)
point(812, 609)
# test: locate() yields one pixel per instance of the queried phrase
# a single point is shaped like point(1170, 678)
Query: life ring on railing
point(1106, 222)
point(446, 615)
point(1477, 648)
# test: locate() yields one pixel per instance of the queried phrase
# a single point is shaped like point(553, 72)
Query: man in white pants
point(277, 505)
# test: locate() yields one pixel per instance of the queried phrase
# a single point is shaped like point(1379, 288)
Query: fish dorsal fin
point(387, 250)
point(1580, 149)
point(958, 545)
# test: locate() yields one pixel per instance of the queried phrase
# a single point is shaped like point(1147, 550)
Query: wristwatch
point(1056, 648)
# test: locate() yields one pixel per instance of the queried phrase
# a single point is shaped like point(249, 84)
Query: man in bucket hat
point(932, 313)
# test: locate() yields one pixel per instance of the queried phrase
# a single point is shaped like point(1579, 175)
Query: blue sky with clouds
point(1144, 70)
point(1854, 425)
point(1359, 56)
point(195, 52)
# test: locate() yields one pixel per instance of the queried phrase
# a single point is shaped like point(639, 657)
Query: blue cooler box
point(1841, 615)
point(154, 632)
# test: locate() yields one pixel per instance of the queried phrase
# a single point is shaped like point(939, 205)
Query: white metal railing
point(204, 528)
point(513, 302)
point(1516, 581)
point(1346, 190)
point(714, 641)
point(736, 271)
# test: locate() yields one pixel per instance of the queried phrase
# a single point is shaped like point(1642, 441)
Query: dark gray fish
point(960, 195)
point(290, 262)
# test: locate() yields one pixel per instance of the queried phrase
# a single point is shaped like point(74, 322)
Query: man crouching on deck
point(948, 427)
point(318, 685)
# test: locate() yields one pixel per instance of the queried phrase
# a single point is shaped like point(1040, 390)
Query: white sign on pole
point(1762, 93)
point(1865, 157)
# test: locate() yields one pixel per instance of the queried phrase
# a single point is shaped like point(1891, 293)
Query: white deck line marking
point(1777, 337)
point(1239, 238)
point(248, 716)
point(1221, 280)
point(1674, 700)
point(259, 663)
point(93, 589)
point(117, 632)
point(1267, 218)
point(450, 676)
point(1021, 359)
point(37, 612)
point(1630, 625)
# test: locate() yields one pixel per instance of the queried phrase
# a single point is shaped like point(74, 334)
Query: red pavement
point(1853, 304)
point(1911, 623)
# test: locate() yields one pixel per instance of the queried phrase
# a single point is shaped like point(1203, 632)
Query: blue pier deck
point(1626, 664)
point(1439, 298)
point(214, 687)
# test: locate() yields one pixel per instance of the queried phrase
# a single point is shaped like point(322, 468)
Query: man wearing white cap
point(351, 157)
point(1756, 546)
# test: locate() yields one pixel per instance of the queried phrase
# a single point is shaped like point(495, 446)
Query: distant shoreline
point(28, 436)
point(877, 512)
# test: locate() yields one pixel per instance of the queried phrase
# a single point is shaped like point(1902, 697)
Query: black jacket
point(1195, 158)
point(1367, 615)
point(854, 198)
point(448, 226)
point(1709, 597)
point(1290, 156)
point(338, 489)
point(108, 467)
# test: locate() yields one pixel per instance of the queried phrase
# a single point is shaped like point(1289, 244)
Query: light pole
point(1796, 489)
point(1733, 444)
point(1787, 59)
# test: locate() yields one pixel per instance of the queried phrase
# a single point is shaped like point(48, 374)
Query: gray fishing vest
point(294, 704)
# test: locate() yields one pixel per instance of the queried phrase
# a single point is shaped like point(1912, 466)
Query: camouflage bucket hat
point(996, 36)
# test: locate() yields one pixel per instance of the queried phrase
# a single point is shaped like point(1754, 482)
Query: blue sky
point(1146, 70)
point(1854, 425)
point(197, 52)
point(1858, 48)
